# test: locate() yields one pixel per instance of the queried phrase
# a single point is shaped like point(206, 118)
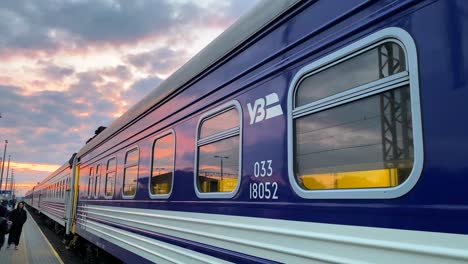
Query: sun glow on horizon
point(35, 166)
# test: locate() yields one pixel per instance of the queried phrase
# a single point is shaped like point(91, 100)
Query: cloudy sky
point(69, 66)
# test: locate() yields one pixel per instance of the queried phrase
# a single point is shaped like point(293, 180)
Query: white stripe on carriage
point(149, 248)
point(283, 240)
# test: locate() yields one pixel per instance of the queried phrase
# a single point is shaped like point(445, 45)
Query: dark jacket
point(18, 216)
point(4, 227)
point(3, 211)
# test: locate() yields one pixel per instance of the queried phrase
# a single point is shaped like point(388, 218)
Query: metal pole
point(221, 158)
point(3, 164)
point(221, 173)
point(11, 184)
point(7, 170)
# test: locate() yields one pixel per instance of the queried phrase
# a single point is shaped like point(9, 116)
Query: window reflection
point(110, 176)
point(218, 165)
point(163, 165)
point(90, 182)
point(219, 123)
point(130, 181)
point(132, 157)
point(97, 183)
point(218, 157)
point(362, 144)
point(382, 61)
point(130, 173)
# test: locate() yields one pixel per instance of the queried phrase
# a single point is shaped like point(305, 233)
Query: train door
point(32, 197)
point(66, 195)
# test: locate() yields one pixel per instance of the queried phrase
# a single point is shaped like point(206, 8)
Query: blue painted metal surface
point(437, 203)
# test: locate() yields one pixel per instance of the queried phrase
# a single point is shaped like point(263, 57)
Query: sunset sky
point(70, 66)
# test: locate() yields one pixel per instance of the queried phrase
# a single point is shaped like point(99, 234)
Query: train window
point(356, 135)
point(162, 169)
point(90, 182)
point(97, 181)
point(111, 171)
point(355, 71)
point(130, 173)
point(219, 123)
point(218, 163)
point(67, 182)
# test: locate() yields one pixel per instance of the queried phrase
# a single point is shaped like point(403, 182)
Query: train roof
point(245, 27)
point(55, 173)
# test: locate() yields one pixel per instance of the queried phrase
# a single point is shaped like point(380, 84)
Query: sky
point(70, 66)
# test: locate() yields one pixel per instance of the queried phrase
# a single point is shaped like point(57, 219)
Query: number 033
point(263, 190)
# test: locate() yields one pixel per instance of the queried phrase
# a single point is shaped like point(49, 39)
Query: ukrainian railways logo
point(264, 109)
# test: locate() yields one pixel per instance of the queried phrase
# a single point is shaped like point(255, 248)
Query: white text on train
point(263, 189)
point(258, 113)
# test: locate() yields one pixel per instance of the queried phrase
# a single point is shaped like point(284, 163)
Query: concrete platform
point(34, 248)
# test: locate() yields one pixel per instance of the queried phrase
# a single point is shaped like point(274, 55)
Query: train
point(307, 132)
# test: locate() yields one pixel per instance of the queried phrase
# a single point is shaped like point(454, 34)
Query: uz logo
point(263, 108)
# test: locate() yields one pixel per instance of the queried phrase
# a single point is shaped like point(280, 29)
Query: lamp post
point(156, 186)
point(159, 170)
point(3, 164)
point(221, 158)
point(11, 184)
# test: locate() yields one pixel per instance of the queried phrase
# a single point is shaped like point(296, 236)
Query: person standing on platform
point(18, 217)
point(3, 224)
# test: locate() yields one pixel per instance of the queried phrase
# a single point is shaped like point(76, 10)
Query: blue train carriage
point(52, 196)
point(309, 131)
point(27, 197)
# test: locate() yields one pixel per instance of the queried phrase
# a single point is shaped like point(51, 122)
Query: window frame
point(137, 164)
point(90, 180)
point(391, 34)
point(159, 136)
point(233, 104)
point(97, 190)
point(107, 171)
